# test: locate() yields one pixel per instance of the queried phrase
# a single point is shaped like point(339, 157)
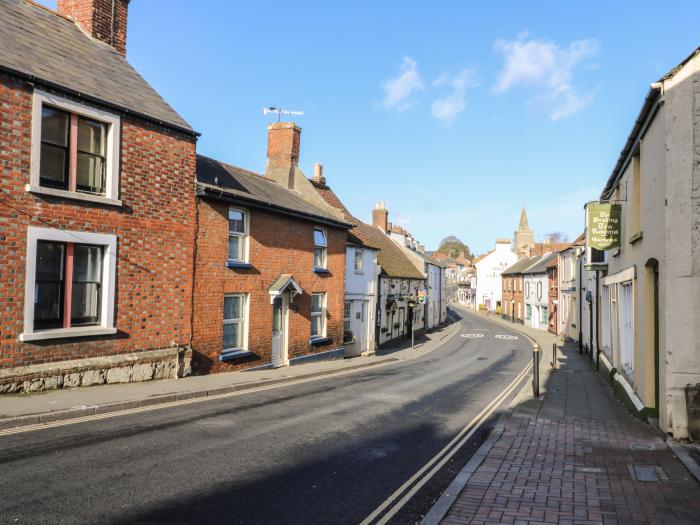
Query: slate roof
point(48, 49)
point(520, 266)
point(541, 265)
point(217, 179)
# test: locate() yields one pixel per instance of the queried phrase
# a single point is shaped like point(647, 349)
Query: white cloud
point(547, 69)
point(446, 108)
point(399, 91)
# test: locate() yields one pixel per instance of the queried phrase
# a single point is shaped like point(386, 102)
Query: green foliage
point(452, 247)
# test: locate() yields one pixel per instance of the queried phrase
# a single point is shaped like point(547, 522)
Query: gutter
point(33, 79)
point(651, 105)
point(221, 193)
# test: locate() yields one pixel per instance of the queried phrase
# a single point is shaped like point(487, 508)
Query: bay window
point(75, 151)
point(69, 284)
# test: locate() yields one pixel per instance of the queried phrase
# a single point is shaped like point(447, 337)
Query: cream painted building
point(650, 297)
point(488, 274)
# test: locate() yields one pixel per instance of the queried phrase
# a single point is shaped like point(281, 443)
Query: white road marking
point(420, 478)
point(472, 336)
point(129, 411)
point(509, 337)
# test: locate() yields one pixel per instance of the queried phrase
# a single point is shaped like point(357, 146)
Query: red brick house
point(270, 264)
point(512, 289)
point(97, 212)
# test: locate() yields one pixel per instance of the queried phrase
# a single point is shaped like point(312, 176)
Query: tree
point(452, 247)
point(556, 237)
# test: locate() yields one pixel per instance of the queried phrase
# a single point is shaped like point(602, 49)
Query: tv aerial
point(280, 112)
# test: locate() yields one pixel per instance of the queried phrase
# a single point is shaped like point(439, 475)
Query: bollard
point(554, 355)
point(536, 370)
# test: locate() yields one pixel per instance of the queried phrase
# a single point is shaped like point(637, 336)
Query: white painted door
point(359, 324)
point(279, 350)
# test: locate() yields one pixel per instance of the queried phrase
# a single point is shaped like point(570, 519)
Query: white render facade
point(361, 282)
point(650, 296)
point(488, 274)
point(535, 299)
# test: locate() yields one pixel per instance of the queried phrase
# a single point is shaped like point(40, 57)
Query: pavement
point(43, 407)
point(329, 450)
point(575, 455)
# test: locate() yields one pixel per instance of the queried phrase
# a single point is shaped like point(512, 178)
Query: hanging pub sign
point(604, 220)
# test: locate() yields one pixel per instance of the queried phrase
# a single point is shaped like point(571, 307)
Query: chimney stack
point(283, 140)
point(104, 20)
point(318, 177)
point(380, 217)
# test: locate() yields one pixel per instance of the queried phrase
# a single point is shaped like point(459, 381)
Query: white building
point(361, 281)
point(536, 293)
point(488, 274)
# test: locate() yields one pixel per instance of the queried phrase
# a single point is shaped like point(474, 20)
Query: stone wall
point(168, 363)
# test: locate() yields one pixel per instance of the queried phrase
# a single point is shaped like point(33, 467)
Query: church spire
point(523, 220)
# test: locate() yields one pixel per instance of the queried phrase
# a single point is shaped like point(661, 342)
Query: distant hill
point(452, 247)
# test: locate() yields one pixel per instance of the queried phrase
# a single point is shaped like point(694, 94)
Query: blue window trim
point(318, 341)
point(320, 270)
point(233, 354)
point(238, 264)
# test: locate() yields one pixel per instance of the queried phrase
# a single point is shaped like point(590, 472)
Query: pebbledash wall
point(278, 244)
point(154, 229)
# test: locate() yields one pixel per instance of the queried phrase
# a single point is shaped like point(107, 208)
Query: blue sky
point(455, 113)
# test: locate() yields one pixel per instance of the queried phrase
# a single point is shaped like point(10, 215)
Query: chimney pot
point(318, 174)
point(104, 20)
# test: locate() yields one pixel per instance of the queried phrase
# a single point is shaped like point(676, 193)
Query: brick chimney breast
point(105, 20)
point(380, 217)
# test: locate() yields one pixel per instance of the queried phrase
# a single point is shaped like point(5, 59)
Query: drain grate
point(649, 473)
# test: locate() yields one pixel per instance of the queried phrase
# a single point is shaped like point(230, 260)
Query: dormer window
point(75, 150)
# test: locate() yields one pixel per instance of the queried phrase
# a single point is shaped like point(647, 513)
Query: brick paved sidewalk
point(577, 456)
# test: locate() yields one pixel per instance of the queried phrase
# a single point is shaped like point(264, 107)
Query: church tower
point(524, 239)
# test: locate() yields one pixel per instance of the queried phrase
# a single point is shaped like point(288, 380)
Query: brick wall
point(154, 229)
point(278, 244)
point(95, 17)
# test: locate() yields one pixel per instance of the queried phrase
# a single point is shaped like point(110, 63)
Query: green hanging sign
point(604, 220)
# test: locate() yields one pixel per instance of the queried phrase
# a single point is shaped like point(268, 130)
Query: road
point(326, 451)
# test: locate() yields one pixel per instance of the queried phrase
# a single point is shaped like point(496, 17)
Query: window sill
point(320, 270)
point(318, 341)
point(238, 264)
point(233, 354)
point(74, 195)
point(62, 333)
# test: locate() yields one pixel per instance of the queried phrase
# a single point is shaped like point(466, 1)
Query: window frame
point(245, 236)
point(361, 269)
point(324, 248)
point(322, 314)
point(105, 325)
point(112, 152)
point(244, 320)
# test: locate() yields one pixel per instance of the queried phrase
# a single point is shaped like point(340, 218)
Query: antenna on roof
point(280, 112)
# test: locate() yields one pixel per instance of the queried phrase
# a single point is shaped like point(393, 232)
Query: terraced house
point(96, 208)
point(270, 264)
